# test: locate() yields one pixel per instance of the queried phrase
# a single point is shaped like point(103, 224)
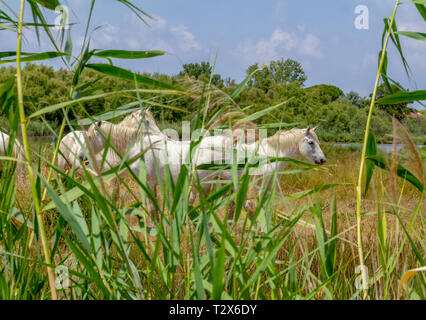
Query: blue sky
point(319, 34)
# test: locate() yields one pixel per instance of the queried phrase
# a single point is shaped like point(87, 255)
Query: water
point(384, 146)
point(37, 143)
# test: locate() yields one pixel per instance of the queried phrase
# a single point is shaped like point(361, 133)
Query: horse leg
point(151, 208)
point(249, 203)
point(192, 196)
point(231, 210)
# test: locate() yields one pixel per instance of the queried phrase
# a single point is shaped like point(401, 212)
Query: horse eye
point(311, 142)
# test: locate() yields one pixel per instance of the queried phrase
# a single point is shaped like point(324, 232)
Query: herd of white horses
point(139, 138)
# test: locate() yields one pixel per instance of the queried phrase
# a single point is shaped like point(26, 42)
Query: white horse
point(161, 151)
point(283, 144)
point(73, 147)
point(154, 148)
point(139, 121)
point(17, 151)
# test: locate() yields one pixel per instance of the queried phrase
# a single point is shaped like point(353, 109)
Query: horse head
point(97, 134)
point(309, 146)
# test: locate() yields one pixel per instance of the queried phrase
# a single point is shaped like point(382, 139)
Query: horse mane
point(137, 118)
point(240, 130)
point(118, 135)
point(121, 137)
point(284, 140)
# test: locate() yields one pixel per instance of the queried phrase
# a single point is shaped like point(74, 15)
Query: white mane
point(286, 140)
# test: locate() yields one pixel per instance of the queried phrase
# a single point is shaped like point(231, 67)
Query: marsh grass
point(298, 263)
point(303, 242)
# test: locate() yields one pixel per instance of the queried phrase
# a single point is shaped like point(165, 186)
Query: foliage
point(339, 119)
point(399, 110)
point(201, 71)
point(355, 99)
point(277, 72)
point(326, 93)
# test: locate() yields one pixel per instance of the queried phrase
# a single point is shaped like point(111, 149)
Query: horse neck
point(249, 147)
point(123, 139)
point(276, 146)
point(152, 124)
point(120, 136)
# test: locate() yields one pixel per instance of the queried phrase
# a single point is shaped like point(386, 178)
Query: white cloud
point(280, 43)
point(185, 39)
point(107, 34)
point(133, 44)
point(176, 39)
point(369, 59)
point(158, 35)
point(158, 23)
point(310, 47)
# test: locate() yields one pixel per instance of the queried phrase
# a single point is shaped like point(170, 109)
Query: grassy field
point(313, 240)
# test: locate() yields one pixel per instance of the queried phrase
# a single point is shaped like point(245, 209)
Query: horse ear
point(308, 129)
point(314, 128)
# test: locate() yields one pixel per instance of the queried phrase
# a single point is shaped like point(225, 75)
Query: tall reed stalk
point(23, 121)
point(364, 148)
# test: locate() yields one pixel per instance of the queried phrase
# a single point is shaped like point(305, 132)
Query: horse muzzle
point(320, 161)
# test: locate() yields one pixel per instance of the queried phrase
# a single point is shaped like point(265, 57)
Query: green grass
point(303, 242)
point(307, 249)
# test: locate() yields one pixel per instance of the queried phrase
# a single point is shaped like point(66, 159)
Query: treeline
point(341, 117)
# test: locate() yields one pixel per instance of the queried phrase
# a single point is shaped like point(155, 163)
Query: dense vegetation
point(340, 116)
point(322, 232)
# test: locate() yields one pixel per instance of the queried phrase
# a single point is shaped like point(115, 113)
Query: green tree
point(278, 72)
point(399, 111)
point(324, 93)
point(354, 98)
point(201, 71)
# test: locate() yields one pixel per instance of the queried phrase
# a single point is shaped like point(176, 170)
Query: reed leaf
point(402, 172)
point(414, 35)
point(37, 57)
point(369, 164)
point(124, 54)
point(49, 4)
point(117, 72)
point(403, 97)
